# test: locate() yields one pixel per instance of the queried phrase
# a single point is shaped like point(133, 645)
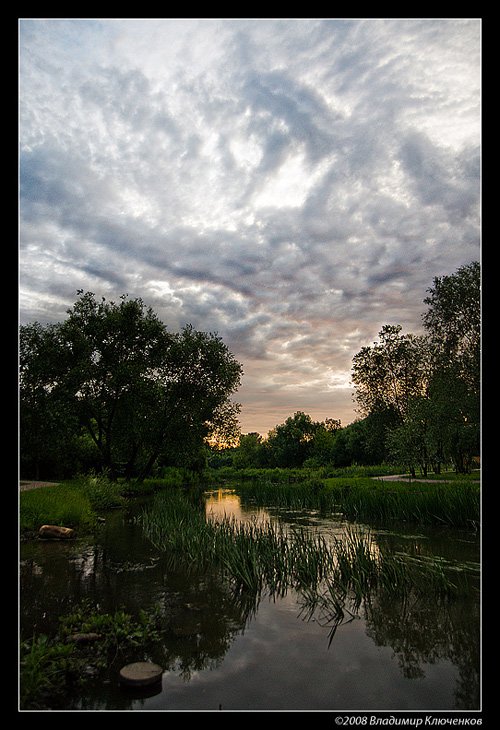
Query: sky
point(293, 184)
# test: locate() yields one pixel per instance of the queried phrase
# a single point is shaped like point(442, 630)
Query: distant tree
point(249, 452)
point(322, 447)
point(290, 443)
point(131, 384)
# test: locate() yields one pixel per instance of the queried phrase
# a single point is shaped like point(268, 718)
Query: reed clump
point(266, 556)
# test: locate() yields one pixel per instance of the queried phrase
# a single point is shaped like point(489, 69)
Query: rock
point(140, 674)
point(56, 532)
point(84, 638)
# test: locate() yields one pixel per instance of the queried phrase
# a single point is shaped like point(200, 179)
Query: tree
point(248, 453)
point(48, 427)
point(290, 443)
point(412, 443)
point(453, 321)
point(391, 372)
point(455, 419)
point(132, 385)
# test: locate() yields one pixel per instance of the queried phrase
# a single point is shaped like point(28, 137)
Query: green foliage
point(117, 631)
point(453, 321)
point(250, 451)
point(139, 392)
point(101, 491)
point(456, 504)
point(43, 669)
point(290, 443)
point(75, 503)
point(391, 372)
point(358, 496)
point(51, 667)
point(432, 383)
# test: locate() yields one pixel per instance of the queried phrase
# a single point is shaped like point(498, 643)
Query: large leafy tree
point(290, 443)
point(48, 425)
point(129, 382)
point(431, 383)
point(453, 321)
point(391, 372)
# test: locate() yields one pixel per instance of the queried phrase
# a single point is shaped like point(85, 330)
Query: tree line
point(418, 396)
point(112, 388)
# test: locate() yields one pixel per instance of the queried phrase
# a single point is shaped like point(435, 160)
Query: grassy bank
point(61, 504)
point(294, 476)
point(75, 503)
point(354, 492)
point(78, 502)
point(456, 504)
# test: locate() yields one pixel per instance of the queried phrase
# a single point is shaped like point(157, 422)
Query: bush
point(102, 493)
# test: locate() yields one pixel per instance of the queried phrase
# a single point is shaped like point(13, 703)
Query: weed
point(50, 667)
point(44, 668)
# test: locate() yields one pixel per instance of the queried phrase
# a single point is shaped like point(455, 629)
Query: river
point(222, 652)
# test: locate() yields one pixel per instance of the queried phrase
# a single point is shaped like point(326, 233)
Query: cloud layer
point(292, 184)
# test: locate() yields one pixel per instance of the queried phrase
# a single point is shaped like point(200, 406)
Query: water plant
point(259, 556)
point(457, 504)
point(51, 666)
point(43, 670)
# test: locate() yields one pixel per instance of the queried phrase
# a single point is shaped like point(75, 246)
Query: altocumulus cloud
point(292, 184)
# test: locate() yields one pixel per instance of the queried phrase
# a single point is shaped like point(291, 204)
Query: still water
point(222, 652)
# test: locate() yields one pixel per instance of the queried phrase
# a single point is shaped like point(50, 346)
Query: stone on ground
point(140, 674)
point(56, 532)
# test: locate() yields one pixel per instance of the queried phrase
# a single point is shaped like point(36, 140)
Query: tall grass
point(456, 504)
point(75, 503)
point(62, 504)
point(367, 499)
point(266, 556)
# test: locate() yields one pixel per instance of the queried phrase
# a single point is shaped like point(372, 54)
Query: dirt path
point(24, 486)
point(407, 478)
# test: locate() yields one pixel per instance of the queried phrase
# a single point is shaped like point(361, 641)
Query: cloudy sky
point(292, 184)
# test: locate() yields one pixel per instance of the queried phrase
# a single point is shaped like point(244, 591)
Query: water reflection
point(226, 647)
point(223, 504)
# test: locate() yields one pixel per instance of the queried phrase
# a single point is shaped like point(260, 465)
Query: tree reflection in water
point(203, 612)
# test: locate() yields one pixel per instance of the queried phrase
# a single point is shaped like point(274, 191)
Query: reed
point(254, 555)
point(457, 504)
point(328, 569)
point(362, 498)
